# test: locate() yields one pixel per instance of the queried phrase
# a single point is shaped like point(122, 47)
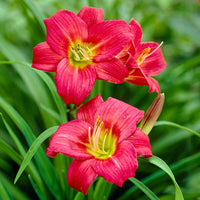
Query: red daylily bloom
point(104, 141)
point(80, 49)
point(143, 60)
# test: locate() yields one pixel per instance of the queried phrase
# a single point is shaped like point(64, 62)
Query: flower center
point(80, 54)
point(102, 143)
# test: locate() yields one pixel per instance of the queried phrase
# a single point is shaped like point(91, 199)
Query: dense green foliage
point(29, 103)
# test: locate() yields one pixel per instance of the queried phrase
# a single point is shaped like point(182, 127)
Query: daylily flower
point(142, 59)
point(104, 141)
point(80, 49)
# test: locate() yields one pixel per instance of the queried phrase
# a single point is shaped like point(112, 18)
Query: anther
point(146, 53)
point(155, 49)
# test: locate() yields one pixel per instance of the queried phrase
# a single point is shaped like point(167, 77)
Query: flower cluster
point(104, 140)
point(82, 48)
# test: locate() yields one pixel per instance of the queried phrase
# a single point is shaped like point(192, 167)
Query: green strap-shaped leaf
point(35, 11)
point(102, 189)
point(59, 103)
point(161, 164)
point(79, 196)
point(37, 191)
point(181, 166)
point(38, 90)
point(160, 123)
point(51, 85)
point(144, 188)
point(44, 164)
point(33, 149)
point(7, 149)
point(16, 193)
point(4, 194)
point(31, 169)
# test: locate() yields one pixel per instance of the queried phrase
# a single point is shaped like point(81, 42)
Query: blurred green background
point(176, 23)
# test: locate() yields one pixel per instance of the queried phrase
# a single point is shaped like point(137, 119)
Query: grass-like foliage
point(31, 109)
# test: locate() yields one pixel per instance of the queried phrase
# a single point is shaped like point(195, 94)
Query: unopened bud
point(152, 114)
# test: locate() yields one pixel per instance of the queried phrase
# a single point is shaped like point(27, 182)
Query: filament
point(104, 140)
point(76, 55)
point(155, 49)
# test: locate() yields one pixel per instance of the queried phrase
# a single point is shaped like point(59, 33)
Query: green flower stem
point(60, 162)
point(160, 123)
point(102, 189)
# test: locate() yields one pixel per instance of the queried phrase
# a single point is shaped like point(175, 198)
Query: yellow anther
point(143, 55)
point(146, 53)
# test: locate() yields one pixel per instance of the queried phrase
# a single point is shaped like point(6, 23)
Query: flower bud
point(152, 114)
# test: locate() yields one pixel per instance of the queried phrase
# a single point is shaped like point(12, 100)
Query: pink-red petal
point(91, 15)
point(154, 63)
point(136, 32)
point(63, 28)
point(113, 71)
point(44, 58)
point(120, 117)
point(137, 77)
point(70, 140)
point(119, 167)
point(74, 84)
point(87, 111)
point(141, 143)
point(80, 175)
point(109, 38)
point(153, 85)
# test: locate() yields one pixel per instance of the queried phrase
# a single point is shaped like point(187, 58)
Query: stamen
point(104, 141)
point(96, 143)
point(146, 53)
point(143, 55)
point(101, 141)
point(97, 120)
point(89, 135)
point(83, 52)
point(89, 50)
point(76, 55)
point(109, 136)
point(95, 129)
point(155, 49)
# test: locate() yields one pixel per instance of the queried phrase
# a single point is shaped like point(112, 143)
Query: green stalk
point(160, 123)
